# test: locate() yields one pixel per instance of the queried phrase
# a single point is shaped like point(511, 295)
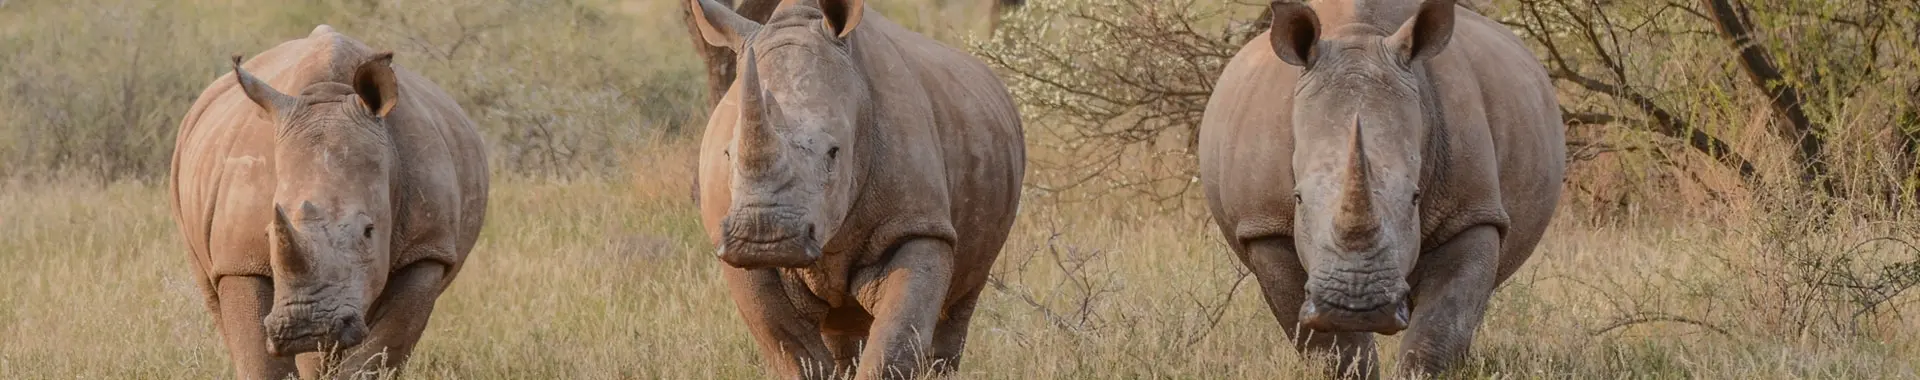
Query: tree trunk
point(997, 7)
point(1730, 19)
point(1907, 131)
point(1260, 24)
point(1910, 128)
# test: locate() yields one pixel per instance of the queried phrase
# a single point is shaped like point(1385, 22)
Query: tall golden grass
point(610, 279)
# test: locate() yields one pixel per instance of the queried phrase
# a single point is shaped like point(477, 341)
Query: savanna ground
point(592, 264)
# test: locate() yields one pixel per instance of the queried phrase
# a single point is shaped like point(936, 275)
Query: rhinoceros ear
point(375, 83)
point(720, 25)
point(259, 92)
point(1296, 32)
point(843, 15)
point(1426, 34)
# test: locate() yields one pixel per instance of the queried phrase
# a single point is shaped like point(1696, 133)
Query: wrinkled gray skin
point(1382, 165)
point(859, 180)
point(327, 221)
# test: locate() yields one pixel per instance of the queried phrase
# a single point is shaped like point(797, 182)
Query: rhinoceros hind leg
point(243, 304)
point(1451, 286)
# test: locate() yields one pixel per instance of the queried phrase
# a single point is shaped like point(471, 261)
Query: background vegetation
point(560, 88)
point(1711, 229)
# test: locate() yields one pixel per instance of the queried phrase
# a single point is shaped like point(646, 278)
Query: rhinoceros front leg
point(1451, 285)
point(905, 296)
point(789, 341)
point(243, 304)
point(397, 320)
point(1283, 282)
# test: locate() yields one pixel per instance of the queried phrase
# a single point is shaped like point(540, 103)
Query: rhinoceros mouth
point(793, 251)
point(763, 241)
point(759, 237)
point(288, 333)
point(1387, 319)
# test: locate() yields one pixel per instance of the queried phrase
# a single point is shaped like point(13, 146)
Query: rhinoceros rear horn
point(259, 92)
point(280, 236)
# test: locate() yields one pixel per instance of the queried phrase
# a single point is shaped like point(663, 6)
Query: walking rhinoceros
point(1382, 165)
point(859, 180)
point(329, 219)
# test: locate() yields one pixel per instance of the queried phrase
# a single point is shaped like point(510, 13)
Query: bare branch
point(1574, 119)
point(1658, 317)
point(1664, 122)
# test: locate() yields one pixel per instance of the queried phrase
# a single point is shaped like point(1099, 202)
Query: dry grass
point(604, 275)
point(609, 279)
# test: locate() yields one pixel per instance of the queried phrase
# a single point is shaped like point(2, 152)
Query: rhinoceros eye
point(368, 233)
point(833, 153)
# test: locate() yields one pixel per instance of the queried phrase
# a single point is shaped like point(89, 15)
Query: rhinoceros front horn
point(1357, 222)
point(757, 138)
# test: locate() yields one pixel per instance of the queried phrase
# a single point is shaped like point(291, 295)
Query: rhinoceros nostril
point(351, 331)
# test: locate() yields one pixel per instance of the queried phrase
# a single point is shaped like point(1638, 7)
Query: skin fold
point(858, 181)
point(1381, 166)
point(327, 198)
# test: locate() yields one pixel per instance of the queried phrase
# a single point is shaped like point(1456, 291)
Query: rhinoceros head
point(1359, 132)
point(793, 155)
point(331, 215)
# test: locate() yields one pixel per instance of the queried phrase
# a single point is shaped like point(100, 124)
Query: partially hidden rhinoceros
point(326, 197)
point(1382, 165)
point(859, 180)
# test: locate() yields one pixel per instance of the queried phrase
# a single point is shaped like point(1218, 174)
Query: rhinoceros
point(858, 180)
point(1382, 165)
point(325, 224)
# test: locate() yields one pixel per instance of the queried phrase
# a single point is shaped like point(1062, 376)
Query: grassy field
point(592, 264)
point(610, 279)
